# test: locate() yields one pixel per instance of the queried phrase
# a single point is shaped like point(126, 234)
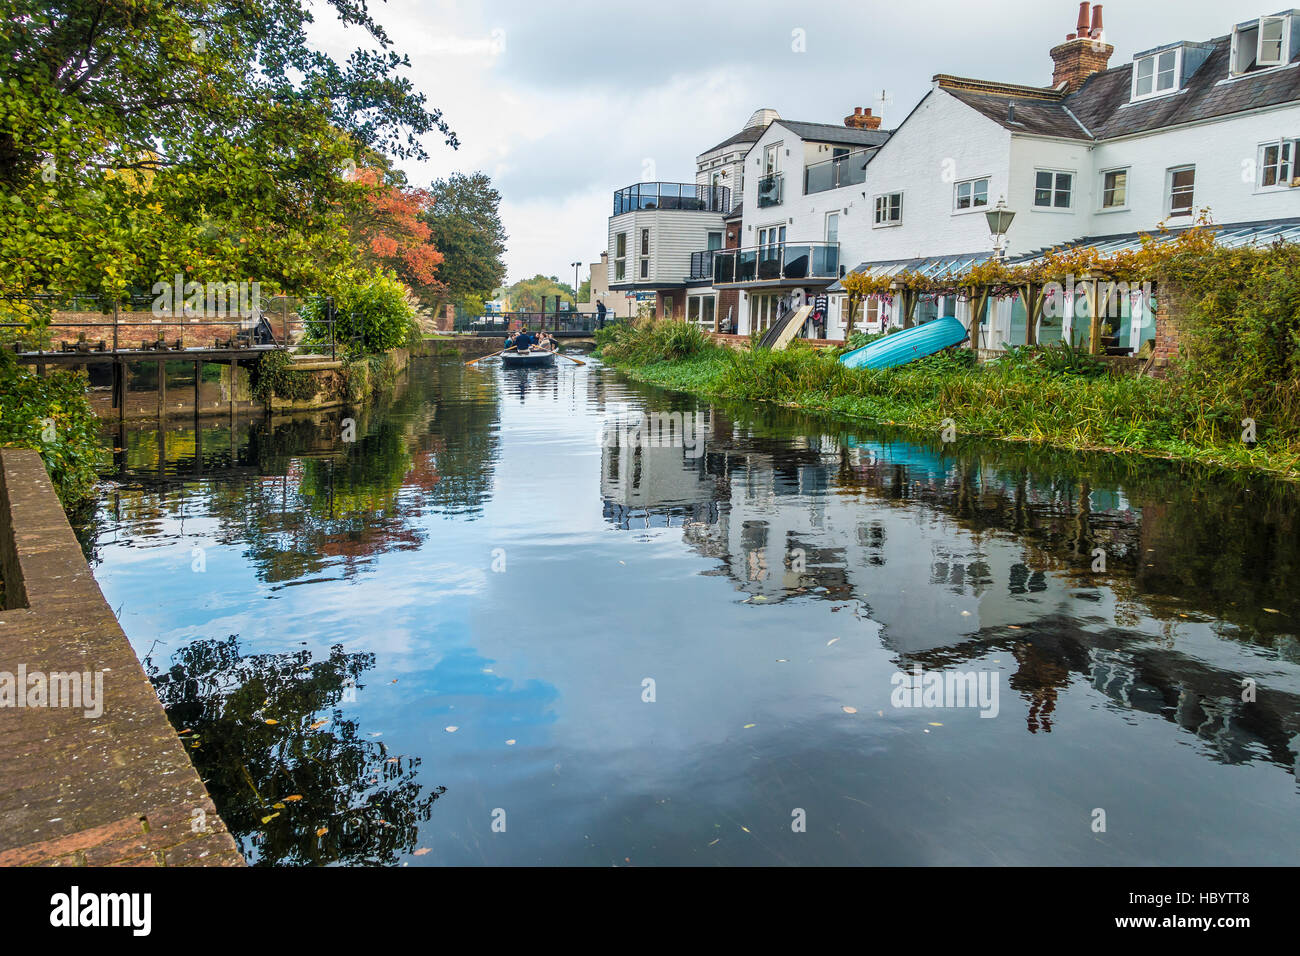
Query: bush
point(370, 310)
point(647, 342)
point(52, 416)
point(275, 376)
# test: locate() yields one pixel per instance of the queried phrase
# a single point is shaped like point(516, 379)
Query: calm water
point(387, 651)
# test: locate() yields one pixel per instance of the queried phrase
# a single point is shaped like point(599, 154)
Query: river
point(498, 627)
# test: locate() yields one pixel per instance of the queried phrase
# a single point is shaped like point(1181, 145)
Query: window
point(714, 241)
point(832, 227)
point(1271, 41)
point(1261, 44)
point(1052, 189)
point(700, 309)
point(620, 256)
point(1275, 161)
point(1182, 187)
point(1154, 74)
point(889, 209)
point(644, 263)
point(974, 192)
point(645, 242)
point(1114, 189)
point(772, 159)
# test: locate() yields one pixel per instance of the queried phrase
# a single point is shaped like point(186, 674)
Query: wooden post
point(1094, 321)
point(234, 378)
point(162, 390)
point(198, 374)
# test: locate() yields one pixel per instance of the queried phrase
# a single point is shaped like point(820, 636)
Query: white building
point(1100, 155)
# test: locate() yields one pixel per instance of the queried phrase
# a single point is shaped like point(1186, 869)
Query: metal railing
point(694, 197)
point(779, 262)
point(702, 264)
point(840, 171)
point(561, 323)
point(44, 325)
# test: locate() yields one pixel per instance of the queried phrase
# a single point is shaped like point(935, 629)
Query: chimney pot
point(1083, 18)
point(1096, 21)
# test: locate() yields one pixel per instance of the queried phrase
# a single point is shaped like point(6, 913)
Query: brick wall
point(138, 327)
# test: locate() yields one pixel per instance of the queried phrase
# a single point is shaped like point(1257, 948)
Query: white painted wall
point(674, 235)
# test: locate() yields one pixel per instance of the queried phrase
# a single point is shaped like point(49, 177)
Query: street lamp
point(999, 218)
point(576, 266)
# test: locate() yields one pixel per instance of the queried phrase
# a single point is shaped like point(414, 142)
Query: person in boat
point(522, 341)
point(545, 341)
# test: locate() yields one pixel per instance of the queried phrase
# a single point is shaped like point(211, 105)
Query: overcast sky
point(563, 103)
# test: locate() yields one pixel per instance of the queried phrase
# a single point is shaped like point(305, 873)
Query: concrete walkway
point(78, 789)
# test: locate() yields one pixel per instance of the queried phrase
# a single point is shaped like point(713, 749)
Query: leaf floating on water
point(452, 729)
point(272, 720)
point(759, 599)
point(1272, 610)
point(965, 613)
point(746, 829)
point(292, 798)
point(510, 742)
point(715, 841)
point(849, 710)
point(831, 641)
point(935, 723)
point(393, 760)
point(421, 851)
point(782, 660)
point(322, 831)
point(270, 818)
point(747, 726)
point(318, 725)
point(277, 806)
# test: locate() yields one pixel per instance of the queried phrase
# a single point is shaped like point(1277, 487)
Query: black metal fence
point(560, 323)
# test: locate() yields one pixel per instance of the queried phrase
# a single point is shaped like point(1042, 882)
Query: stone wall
point(80, 790)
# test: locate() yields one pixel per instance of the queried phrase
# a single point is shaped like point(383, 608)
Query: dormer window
point(1155, 74)
point(1260, 44)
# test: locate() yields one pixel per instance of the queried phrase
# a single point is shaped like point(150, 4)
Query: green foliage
point(206, 137)
point(276, 377)
point(647, 342)
point(370, 310)
point(52, 416)
point(527, 295)
point(1049, 396)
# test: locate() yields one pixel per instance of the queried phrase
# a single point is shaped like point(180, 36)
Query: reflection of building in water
point(648, 478)
point(959, 558)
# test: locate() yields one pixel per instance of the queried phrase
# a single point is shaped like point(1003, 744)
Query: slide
point(783, 332)
point(899, 348)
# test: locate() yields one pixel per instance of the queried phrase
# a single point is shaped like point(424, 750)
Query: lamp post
point(576, 266)
point(999, 219)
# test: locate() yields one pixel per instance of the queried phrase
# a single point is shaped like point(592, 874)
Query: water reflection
point(509, 568)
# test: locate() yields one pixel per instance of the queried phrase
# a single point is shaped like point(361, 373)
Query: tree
point(467, 231)
point(199, 136)
point(526, 295)
point(391, 231)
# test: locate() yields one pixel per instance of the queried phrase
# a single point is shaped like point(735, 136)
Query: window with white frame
point(645, 254)
point(700, 310)
point(1261, 44)
point(1275, 163)
point(1053, 189)
point(1114, 189)
point(1155, 74)
point(1181, 190)
point(620, 256)
point(971, 193)
point(889, 209)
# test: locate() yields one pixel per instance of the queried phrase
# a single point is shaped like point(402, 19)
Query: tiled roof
point(831, 133)
point(926, 265)
point(1100, 108)
point(748, 135)
point(1101, 102)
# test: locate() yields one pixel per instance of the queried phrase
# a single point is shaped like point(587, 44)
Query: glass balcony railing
point(834, 173)
point(770, 189)
point(702, 264)
point(688, 196)
point(777, 263)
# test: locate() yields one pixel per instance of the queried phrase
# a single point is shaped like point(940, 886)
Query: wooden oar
point(482, 357)
point(573, 360)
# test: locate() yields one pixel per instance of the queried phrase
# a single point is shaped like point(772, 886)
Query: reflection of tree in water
point(294, 780)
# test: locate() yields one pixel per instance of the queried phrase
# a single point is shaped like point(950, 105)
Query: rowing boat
point(533, 358)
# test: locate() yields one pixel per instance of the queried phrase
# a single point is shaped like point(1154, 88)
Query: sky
point(564, 103)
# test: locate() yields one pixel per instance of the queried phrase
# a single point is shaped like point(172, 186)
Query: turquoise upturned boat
point(899, 348)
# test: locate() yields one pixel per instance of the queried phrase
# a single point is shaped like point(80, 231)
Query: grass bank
point(1041, 395)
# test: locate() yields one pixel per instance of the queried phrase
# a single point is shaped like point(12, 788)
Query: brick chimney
point(1084, 52)
point(862, 119)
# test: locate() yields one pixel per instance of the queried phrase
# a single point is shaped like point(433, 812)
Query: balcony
point(702, 265)
point(781, 264)
point(834, 173)
point(691, 197)
point(770, 189)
